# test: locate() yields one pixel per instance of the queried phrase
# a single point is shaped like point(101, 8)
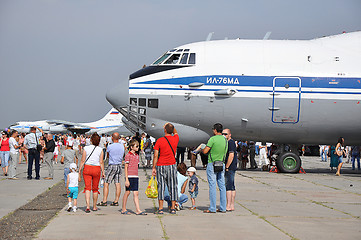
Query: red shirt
point(132, 160)
point(166, 155)
point(5, 145)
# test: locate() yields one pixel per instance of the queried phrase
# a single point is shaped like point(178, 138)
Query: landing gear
point(288, 162)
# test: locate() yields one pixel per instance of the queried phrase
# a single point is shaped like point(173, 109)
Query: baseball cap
point(191, 169)
point(73, 166)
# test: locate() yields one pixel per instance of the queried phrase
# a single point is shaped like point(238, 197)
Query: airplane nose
point(118, 96)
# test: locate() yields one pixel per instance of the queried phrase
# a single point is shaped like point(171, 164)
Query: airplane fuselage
point(294, 92)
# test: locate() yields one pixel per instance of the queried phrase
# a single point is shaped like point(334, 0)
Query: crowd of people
point(99, 160)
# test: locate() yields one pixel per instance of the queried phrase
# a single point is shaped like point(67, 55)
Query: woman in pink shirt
point(5, 152)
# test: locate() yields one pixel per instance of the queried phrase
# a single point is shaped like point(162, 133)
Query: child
point(72, 187)
point(68, 157)
point(193, 186)
point(131, 177)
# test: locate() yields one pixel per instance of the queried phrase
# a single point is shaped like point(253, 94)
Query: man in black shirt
point(49, 154)
point(231, 167)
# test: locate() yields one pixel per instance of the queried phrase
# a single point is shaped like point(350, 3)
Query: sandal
point(125, 213)
point(104, 204)
point(87, 210)
point(114, 204)
point(94, 210)
point(218, 210)
point(173, 211)
point(193, 208)
point(207, 211)
point(141, 213)
point(159, 211)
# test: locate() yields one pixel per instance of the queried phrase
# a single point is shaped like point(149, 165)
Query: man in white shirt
point(31, 141)
point(14, 155)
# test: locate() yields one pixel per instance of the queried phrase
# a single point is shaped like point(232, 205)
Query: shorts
point(113, 173)
point(193, 194)
point(229, 178)
point(73, 192)
point(134, 184)
point(340, 159)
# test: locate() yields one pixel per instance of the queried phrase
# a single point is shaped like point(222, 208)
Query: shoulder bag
point(38, 146)
point(218, 165)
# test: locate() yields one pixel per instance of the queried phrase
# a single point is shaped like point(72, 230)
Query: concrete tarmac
point(16, 193)
point(316, 205)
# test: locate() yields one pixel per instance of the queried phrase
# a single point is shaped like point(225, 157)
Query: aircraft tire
point(288, 162)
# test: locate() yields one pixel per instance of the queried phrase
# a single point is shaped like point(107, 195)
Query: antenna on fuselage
point(266, 36)
point(209, 36)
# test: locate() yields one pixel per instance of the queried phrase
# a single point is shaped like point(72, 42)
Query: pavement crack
point(267, 221)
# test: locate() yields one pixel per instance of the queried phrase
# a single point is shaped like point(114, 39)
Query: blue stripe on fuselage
point(258, 81)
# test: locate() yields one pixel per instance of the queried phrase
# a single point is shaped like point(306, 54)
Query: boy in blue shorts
point(72, 187)
point(193, 186)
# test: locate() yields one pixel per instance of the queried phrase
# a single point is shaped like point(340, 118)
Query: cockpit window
point(179, 50)
point(162, 58)
point(173, 59)
point(173, 50)
point(192, 59)
point(184, 58)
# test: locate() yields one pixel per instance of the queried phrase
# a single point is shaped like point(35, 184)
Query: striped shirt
point(133, 161)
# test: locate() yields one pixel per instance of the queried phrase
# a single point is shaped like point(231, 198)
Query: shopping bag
point(152, 189)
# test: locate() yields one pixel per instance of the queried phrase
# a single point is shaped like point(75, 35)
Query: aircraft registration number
point(222, 80)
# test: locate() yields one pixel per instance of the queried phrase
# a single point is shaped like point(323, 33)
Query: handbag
point(38, 146)
point(218, 165)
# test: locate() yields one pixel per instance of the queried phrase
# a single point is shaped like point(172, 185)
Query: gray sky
point(59, 57)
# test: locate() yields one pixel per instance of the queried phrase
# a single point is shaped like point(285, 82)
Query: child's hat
point(191, 169)
point(73, 166)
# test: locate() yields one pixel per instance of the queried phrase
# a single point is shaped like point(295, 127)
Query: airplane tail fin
point(113, 117)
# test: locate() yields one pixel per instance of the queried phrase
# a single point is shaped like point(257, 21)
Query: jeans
point(34, 155)
point(353, 161)
point(13, 161)
point(212, 178)
point(66, 173)
point(4, 155)
point(229, 176)
point(182, 198)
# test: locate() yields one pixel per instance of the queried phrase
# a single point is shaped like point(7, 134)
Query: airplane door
point(286, 100)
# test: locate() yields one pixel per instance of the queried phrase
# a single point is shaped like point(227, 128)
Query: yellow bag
point(152, 189)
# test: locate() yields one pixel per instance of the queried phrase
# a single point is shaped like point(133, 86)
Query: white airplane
point(281, 91)
point(110, 123)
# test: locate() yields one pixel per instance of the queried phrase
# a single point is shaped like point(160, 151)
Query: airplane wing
point(71, 126)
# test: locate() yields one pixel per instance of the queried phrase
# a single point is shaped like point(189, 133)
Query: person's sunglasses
point(225, 134)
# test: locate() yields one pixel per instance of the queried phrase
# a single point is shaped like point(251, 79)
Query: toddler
point(193, 186)
point(72, 187)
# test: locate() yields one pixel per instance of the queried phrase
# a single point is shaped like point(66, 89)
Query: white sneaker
point(69, 208)
point(74, 209)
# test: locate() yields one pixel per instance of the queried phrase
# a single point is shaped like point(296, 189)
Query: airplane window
point(153, 103)
point(173, 59)
point(179, 50)
point(162, 58)
point(142, 111)
point(142, 102)
point(192, 59)
point(173, 50)
point(186, 50)
point(133, 101)
point(184, 58)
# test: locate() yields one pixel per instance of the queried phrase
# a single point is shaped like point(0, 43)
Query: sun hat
point(73, 166)
point(191, 169)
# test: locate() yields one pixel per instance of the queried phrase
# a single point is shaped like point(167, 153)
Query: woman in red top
point(5, 152)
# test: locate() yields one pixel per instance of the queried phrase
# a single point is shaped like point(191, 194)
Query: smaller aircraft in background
point(110, 123)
